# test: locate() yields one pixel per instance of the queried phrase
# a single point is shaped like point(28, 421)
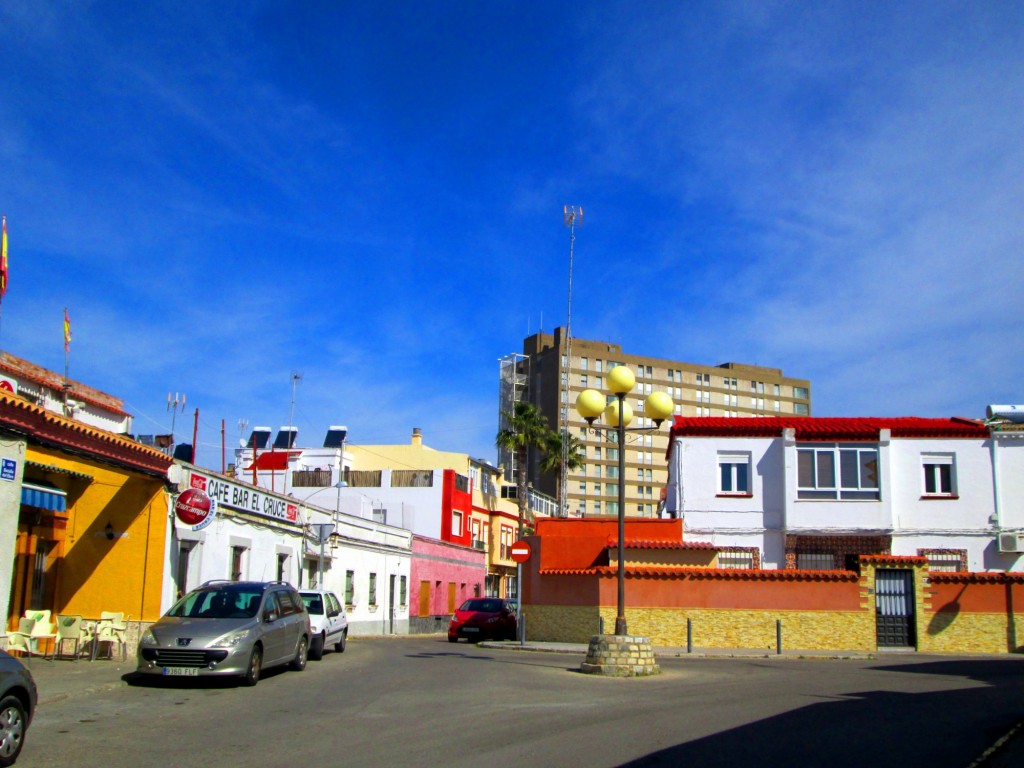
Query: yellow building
point(494, 518)
point(86, 511)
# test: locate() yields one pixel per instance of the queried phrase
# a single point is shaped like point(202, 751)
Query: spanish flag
point(67, 331)
point(3, 262)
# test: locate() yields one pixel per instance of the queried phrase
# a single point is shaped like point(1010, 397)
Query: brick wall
point(954, 612)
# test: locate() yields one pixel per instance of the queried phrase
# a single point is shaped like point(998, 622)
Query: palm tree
point(552, 461)
point(526, 428)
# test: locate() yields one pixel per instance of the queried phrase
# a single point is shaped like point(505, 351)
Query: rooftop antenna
point(296, 378)
point(172, 406)
point(573, 217)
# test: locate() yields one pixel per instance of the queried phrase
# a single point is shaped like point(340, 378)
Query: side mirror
point(269, 617)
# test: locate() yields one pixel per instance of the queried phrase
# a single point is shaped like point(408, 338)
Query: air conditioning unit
point(1011, 542)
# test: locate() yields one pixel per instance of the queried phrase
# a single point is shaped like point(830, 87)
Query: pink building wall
point(441, 565)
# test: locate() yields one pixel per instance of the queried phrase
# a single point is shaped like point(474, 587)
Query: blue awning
point(43, 497)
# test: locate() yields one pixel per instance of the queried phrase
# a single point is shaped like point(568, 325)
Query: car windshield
point(482, 606)
point(314, 604)
point(228, 602)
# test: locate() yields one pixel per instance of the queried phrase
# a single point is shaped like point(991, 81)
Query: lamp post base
point(620, 656)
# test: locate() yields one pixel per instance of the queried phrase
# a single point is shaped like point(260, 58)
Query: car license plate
point(181, 672)
point(470, 629)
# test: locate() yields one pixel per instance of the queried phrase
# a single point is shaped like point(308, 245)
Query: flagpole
point(3, 271)
point(67, 349)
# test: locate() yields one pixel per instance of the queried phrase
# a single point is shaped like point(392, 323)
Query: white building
point(813, 493)
point(62, 395)
point(254, 534)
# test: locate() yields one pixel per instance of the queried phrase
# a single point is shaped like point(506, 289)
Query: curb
point(581, 650)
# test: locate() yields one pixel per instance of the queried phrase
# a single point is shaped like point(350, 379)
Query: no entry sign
point(520, 552)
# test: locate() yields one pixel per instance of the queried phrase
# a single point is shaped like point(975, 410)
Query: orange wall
point(965, 594)
point(688, 591)
point(650, 530)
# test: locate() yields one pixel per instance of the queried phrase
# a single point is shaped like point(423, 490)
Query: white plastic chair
point(112, 628)
point(71, 629)
point(42, 629)
point(21, 641)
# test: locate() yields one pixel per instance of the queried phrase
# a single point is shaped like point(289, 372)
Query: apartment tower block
point(545, 376)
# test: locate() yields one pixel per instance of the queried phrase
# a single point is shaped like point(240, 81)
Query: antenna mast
point(296, 378)
point(573, 216)
point(173, 406)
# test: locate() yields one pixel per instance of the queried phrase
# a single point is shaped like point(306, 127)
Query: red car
point(483, 618)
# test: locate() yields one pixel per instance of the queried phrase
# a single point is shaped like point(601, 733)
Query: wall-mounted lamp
point(108, 531)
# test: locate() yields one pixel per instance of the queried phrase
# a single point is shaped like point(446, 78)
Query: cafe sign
point(194, 509)
point(244, 498)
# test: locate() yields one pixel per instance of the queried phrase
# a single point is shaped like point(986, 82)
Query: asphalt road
point(419, 701)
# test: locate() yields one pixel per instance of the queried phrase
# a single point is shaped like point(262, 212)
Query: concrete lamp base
point(620, 656)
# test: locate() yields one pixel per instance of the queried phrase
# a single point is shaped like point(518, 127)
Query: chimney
point(417, 436)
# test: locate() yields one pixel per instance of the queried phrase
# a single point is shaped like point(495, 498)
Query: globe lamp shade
point(658, 407)
point(621, 379)
point(590, 404)
point(611, 414)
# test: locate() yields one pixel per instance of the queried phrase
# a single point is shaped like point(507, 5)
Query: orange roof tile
point(48, 428)
point(813, 428)
point(726, 574)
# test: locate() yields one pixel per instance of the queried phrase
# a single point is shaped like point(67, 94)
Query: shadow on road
point(874, 728)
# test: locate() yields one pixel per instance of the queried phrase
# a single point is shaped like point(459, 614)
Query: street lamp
point(617, 413)
point(324, 530)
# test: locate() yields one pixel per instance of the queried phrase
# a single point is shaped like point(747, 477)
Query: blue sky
point(371, 194)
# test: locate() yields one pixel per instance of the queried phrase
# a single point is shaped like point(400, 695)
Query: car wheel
point(299, 662)
point(252, 672)
point(340, 645)
point(12, 729)
point(316, 648)
point(452, 639)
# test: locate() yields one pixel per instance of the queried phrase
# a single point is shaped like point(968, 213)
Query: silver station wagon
point(228, 628)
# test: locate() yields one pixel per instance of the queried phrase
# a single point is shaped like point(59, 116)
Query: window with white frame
point(456, 523)
point(734, 474)
point(939, 475)
point(847, 472)
point(238, 558)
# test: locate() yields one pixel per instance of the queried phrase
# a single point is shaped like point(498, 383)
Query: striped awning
point(43, 497)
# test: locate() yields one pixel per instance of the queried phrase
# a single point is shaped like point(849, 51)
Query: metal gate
point(894, 609)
